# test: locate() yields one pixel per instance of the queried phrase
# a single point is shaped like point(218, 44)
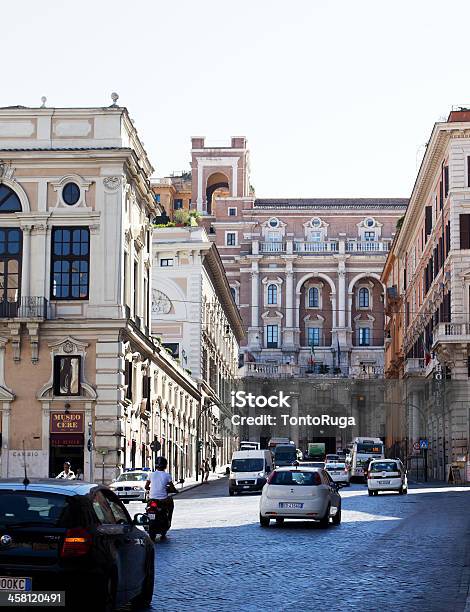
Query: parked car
point(300, 493)
point(339, 473)
point(76, 537)
point(130, 485)
point(387, 475)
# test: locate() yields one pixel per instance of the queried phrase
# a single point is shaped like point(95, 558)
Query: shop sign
point(71, 422)
point(67, 440)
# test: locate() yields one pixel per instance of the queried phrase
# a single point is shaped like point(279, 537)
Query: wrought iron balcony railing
point(27, 307)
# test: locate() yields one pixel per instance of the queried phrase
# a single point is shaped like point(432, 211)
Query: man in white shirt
point(160, 483)
point(67, 473)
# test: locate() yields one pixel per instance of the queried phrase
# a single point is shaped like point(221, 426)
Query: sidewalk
point(191, 483)
point(436, 484)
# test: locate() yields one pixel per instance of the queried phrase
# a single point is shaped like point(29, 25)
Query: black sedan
point(77, 537)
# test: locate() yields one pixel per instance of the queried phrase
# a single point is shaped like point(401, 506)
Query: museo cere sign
point(71, 422)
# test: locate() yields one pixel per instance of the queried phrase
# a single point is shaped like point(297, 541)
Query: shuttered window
point(446, 181)
point(464, 231)
point(428, 221)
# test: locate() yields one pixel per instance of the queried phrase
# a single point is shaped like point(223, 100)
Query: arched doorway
point(219, 183)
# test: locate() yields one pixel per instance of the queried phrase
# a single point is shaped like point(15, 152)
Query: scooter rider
point(160, 484)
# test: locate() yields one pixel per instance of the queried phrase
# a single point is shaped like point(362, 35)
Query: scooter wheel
point(152, 534)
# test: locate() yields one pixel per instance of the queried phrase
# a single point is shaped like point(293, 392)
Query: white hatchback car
point(387, 475)
point(300, 493)
point(339, 473)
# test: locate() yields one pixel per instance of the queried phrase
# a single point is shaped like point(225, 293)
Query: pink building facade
point(305, 273)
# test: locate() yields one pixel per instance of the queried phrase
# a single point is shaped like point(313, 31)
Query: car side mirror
point(141, 519)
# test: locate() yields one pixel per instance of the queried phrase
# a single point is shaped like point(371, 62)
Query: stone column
point(288, 339)
point(26, 263)
point(254, 335)
point(254, 298)
point(341, 294)
point(294, 412)
point(5, 448)
point(199, 201)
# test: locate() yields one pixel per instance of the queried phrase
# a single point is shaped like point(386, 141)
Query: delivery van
point(249, 470)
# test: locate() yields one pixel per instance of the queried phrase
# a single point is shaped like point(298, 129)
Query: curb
point(199, 483)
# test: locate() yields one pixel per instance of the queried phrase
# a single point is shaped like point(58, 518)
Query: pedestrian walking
point(206, 470)
point(213, 463)
point(202, 470)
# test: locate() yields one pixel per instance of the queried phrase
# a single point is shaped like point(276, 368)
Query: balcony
point(26, 308)
point(315, 248)
point(451, 333)
point(367, 247)
point(415, 366)
point(272, 247)
point(366, 371)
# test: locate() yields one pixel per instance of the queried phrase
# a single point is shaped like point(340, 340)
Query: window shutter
point(428, 221)
point(446, 181)
point(464, 231)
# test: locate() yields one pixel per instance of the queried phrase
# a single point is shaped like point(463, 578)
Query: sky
point(337, 99)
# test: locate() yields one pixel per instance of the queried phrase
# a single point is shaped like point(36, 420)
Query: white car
point(130, 486)
point(339, 473)
point(387, 475)
point(300, 493)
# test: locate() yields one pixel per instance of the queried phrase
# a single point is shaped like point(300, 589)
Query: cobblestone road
point(397, 553)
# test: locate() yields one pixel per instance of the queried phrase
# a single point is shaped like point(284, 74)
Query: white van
point(246, 445)
point(249, 470)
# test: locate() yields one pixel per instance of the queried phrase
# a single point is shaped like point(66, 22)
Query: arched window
point(313, 297)
point(272, 294)
point(9, 201)
point(364, 297)
point(233, 291)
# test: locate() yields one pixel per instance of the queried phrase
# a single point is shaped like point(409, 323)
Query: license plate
point(246, 487)
point(384, 481)
point(290, 505)
point(151, 516)
point(10, 583)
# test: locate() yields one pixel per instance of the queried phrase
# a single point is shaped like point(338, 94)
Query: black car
point(77, 537)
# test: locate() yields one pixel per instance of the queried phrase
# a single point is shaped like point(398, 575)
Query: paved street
point(391, 552)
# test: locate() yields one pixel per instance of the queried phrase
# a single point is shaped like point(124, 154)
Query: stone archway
point(216, 182)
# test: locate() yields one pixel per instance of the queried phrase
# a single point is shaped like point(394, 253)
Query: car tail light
point(270, 477)
point(153, 504)
point(369, 475)
point(77, 542)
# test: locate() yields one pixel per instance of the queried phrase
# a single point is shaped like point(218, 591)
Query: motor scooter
point(159, 519)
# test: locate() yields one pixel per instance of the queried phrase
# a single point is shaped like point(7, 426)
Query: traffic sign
point(423, 444)
point(155, 446)
point(416, 446)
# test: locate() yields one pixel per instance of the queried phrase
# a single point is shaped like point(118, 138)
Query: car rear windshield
point(297, 478)
point(247, 465)
point(334, 466)
point(386, 466)
point(25, 507)
point(132, 476)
